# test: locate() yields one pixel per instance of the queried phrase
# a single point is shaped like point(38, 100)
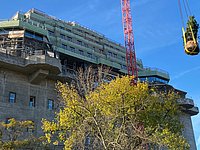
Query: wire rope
point(189, 10)
point(185, 7)
point(181, 13)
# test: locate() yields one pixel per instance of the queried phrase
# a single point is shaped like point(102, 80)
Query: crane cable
point(181, 13)
point(186, 8)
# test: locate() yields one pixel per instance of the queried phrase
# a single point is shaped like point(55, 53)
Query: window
point(62, 36)
point(64, 46)
point(123, 58)
point(12, 97)
point(114, 55)
point(86, 45)
point(123, 67)
point(79, 42)
point(50, 105)
point(101, 51)
point(79, 30)
point(69, 38)
point(30, 128)
point(61, 27)
point(51, 33)
point(32, 101)
point(81, 52)
point(89, 55)
point(68, 30)
point(72, 49)
point(109, 53)
point(7, 121)
point(87, 141)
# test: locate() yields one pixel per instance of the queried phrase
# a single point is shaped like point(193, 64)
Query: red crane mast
point(129, 39)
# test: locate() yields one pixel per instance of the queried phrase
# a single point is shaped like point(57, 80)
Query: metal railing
point(155, 69)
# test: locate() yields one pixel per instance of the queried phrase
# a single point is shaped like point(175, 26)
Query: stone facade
point(23, 107)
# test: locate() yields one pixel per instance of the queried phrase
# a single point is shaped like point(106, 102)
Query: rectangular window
point(69, 38)
point(62, 28)
point(81, 52)
point(109, 54)
point(72, 49)
point(64, 46)
point(89, 55)
point(86, 45)
point(123, 67)
point(32, 101)
point(62, 36)
point(68, 30)
point(123, 58)
point(7, 121)
point(114, 55)
point(51, 33)
point(79, 42)
point(12, 97)
point(79, 30)
point(101, 51)
point(50, 105)
point(30, 128)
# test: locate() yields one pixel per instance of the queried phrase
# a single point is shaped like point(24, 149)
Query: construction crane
point(129, 40)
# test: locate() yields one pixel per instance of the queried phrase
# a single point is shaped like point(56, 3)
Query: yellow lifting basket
point(190, 42)
point(190, 37)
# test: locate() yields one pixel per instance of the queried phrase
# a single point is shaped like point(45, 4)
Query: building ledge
point(29, 64)
point(192, 111)
point(186, 102)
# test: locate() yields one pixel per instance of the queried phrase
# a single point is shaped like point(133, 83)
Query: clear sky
point(157, 31)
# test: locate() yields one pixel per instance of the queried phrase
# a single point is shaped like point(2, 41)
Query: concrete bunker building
point(36, 50)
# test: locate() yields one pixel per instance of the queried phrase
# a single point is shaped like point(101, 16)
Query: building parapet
point(147, 71)
point(37, 64)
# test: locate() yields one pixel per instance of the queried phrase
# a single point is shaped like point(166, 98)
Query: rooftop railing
point(156, 69)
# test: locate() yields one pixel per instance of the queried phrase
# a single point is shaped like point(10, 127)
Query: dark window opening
point(72, 49)
point(51, 33)
point(12, 97)
point(7, 121)
point(89, 55)
point(109, 53)
point(79, 42)
point(50, 105)
point(114, 55)
point(69, 38)
point(81, 52)
point(62, 36)
point(64, 46)
point(30, 128)
point(32, 101)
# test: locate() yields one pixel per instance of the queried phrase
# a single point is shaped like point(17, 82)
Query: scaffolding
point(23, 43)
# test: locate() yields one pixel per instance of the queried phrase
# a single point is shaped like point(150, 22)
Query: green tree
point(18, 135)
point(194, 25)
point(116, 116)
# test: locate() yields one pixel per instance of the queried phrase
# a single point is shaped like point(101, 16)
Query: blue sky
point(157, 31)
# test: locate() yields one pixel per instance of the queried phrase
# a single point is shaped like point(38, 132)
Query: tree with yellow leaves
point(116, 116)
point(18, 135)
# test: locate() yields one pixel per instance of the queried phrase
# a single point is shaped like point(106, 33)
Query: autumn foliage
point(116, 116)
